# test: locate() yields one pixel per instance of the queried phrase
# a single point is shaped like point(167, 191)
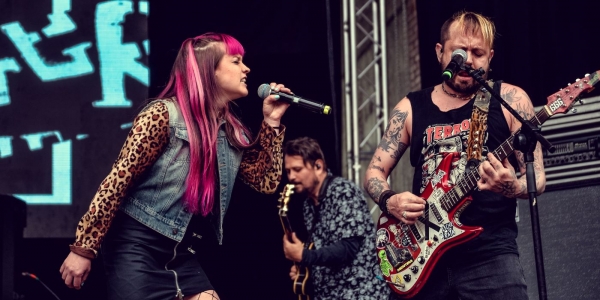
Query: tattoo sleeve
point(373, 164)
point(540, 175)
point(388, 153)
point(521, 103)
point(375, 187)
point(525, 111)
point(510, 95)
point(390, 142)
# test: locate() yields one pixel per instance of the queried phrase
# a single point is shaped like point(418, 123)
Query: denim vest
point(157, 201)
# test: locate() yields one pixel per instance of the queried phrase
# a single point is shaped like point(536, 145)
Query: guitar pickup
point(415, 232)
point(436, 212)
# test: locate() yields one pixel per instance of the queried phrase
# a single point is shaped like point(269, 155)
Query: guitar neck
point(469, 180)
point(286, 224)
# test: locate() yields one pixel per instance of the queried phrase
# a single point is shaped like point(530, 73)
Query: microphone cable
point(26, 274)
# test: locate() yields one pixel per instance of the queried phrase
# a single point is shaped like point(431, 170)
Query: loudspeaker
point(12, 222)
point(570, 231)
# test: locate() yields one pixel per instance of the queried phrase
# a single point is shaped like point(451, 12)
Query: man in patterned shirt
point(342, 261)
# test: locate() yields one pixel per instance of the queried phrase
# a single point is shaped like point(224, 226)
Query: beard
point(306, 190)
point(461, 86)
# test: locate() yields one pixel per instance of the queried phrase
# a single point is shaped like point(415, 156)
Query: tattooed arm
point(503, 177)
point(405, 206)
point(393, 144)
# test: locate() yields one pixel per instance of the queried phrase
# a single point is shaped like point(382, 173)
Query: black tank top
point(434, 135)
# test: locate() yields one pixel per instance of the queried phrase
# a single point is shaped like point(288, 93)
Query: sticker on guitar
point(408, 253)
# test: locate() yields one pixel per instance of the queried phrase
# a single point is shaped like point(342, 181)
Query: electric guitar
point(302, 284)
point(408, 253)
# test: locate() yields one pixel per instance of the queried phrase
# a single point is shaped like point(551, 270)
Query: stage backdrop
point(72, 76)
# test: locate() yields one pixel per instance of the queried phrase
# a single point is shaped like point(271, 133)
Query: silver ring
point(404, 214)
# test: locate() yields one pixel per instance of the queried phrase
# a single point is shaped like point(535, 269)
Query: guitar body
point(302, 285)
point(408, 253)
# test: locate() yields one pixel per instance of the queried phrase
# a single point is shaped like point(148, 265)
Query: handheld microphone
point(264, 90)
point(459, 56)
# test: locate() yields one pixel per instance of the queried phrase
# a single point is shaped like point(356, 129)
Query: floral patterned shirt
point(343, 213)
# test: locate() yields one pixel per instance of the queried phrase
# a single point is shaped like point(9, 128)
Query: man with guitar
point(339, 225)
point(437, 122)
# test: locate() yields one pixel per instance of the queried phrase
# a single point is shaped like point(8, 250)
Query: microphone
point(459, 56)
point(264, 90)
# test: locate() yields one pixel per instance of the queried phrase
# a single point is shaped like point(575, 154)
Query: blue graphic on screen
point(117, 59)
point(103, 64)
point(25, 43)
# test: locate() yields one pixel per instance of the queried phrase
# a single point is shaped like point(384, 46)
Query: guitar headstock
point(284, 199)
point(561, 101)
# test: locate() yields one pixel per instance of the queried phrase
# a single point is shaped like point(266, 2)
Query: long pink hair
point(193, 84)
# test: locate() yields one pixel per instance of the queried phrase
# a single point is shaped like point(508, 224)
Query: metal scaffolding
point(365, 101)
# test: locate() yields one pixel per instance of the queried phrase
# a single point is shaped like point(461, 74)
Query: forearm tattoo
point(521, 160)
point(375, 160)
point(512, 190)
point(375, 187)
point(537, 167)
point(390, 142)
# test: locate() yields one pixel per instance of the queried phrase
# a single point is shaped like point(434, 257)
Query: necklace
point(455, 95)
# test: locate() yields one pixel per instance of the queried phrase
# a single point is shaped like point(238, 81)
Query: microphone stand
point(525, 141)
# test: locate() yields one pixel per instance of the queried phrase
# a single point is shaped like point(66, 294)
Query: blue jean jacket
point(157, 201)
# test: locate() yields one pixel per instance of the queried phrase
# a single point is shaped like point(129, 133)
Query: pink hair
point(193, 84)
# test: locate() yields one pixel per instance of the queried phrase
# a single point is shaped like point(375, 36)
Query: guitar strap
point(478, 126)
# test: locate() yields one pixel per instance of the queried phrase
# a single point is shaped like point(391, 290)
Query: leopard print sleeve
point(146, 141)
point(262, 164)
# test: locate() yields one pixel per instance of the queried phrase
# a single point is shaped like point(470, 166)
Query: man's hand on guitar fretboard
point(293, 249)
point(499, 177)
point(294, 272)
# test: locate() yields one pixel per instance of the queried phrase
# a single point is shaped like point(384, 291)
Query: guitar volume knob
point(421, 259)
point(414, 269)
point(406, 277)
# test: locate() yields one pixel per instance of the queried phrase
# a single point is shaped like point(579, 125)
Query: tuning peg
point(577, 80)
point(587, 74)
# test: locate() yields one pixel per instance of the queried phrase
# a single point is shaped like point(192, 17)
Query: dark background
point(541, 47)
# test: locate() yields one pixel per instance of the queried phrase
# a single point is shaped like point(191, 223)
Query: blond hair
point(470, 23)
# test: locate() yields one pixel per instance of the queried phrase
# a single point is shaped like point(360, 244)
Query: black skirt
point(140, 263)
